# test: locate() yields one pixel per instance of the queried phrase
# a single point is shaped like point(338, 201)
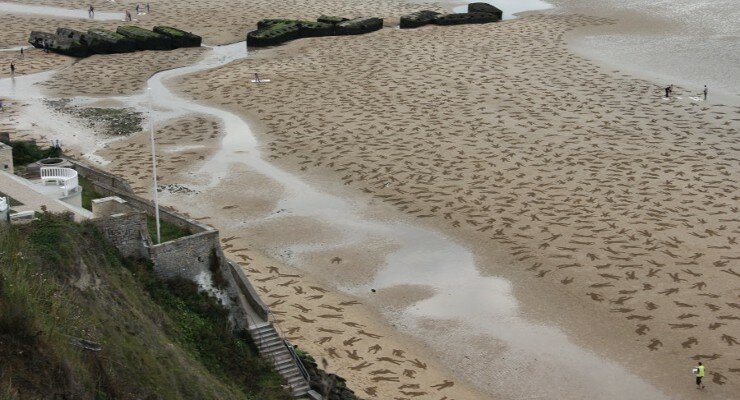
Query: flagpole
point(154, 164)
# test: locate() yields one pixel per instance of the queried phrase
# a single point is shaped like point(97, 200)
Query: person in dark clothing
point(12, 69)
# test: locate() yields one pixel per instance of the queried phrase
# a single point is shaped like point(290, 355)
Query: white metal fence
point(65, 177)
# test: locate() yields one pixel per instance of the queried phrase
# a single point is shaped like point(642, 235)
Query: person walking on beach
point(667, 92)
point(137, 8)
point(699, 374)
point(12, 69)
point(705, 92)
point(91, 11)
point(21, 52)
point(128, 15)
point(256, 78)
point(147, 8)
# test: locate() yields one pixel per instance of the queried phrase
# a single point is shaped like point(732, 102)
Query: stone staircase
point(273, 348)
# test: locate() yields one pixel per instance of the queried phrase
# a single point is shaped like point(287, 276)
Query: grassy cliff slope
point(78, 322)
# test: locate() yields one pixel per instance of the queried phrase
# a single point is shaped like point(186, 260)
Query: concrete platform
point(33, 196)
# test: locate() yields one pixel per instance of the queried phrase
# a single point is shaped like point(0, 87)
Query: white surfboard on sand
point(260, 81)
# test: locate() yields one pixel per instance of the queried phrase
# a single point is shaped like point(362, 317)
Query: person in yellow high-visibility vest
point(699, 373)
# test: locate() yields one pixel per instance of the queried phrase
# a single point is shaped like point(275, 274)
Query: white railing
point(65, 177)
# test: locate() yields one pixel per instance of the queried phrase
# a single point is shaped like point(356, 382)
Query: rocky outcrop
point(103, 41)
point(329, 386)
point(72, 34)
point(485, 8)
point(271, 32)
point(126, 39)
point(331, 19)
point(417, 19)
point(358, 26)
point(315, 29)
point(58, 44)
point(144, 39)
point(466, 18)
point(178, 37)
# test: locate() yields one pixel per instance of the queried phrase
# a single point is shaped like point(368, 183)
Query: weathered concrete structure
point(198, 257)
point(126, 39)
point(6, 158)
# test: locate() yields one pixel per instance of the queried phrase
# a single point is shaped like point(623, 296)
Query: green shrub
point(60, 283)
point(26, 152)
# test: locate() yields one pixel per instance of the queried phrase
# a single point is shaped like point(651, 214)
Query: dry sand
point(31, 62)
point(613, 212)
point(117, 74)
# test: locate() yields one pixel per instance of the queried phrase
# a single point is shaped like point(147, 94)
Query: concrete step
point(273, 348)
point(300, 390)
point(269, 342)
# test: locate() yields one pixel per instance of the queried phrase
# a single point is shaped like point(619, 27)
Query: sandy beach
point(467, 212)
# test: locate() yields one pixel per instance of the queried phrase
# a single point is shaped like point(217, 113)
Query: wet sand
point(607, 206)
point(595, 222)
point(694, 43)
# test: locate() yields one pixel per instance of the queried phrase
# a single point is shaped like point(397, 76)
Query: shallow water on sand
point(510, 7)
point(685, 42)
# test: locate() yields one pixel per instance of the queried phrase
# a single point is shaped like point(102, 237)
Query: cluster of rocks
point(478, 13)
point(125, 39)
point(271, 32)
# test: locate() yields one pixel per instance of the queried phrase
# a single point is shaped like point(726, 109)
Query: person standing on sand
point(147, 8)
point(705, 92)
point(91, 11)
point(699, 373)
point(21, 52)
point(667, 92)
point(12, 69)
